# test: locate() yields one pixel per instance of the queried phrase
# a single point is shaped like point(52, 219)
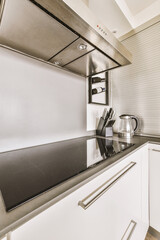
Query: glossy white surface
point(145, 188)
point(154, 166)
point(143, 225)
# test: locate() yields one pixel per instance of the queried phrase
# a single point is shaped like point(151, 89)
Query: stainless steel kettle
point(126, 128)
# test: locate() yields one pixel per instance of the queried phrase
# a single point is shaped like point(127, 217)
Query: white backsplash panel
point(38, 102)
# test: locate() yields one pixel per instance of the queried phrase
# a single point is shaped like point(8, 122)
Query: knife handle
point(100, 126)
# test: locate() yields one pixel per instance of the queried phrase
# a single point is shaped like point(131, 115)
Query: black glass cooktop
point(28, 172)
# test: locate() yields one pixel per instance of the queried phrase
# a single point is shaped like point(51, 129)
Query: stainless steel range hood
point(62, 33)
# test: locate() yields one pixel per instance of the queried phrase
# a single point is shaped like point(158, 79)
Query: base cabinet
point(154, 166)
point(108, 207)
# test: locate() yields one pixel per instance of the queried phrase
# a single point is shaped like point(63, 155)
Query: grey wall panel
point(136, 88)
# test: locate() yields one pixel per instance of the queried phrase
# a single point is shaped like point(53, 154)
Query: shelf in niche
point(101, 98)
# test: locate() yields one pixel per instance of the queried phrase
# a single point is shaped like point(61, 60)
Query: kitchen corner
point(80, 132)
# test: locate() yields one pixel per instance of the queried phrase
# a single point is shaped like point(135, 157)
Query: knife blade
point(112, 114)
point(110, 123)
point(100, 126)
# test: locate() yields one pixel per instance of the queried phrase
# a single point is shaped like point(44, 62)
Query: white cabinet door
point(154, 164)
point(142, 227)
point(145, 186)
point(107, 218)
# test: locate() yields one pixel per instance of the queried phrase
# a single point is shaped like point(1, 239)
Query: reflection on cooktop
point(29, 172)
point(99, 149)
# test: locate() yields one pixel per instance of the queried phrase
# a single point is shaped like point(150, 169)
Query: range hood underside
point(37, 28)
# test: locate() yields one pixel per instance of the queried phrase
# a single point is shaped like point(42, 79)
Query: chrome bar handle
point(92, 197)
point(2, 3)
point(155, 150)
point(129, 231)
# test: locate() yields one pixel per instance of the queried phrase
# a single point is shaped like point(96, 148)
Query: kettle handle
point(137, 122)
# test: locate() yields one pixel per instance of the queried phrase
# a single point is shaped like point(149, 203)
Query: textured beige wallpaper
point(136, 87)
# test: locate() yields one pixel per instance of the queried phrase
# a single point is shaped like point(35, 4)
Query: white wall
point(38, 102)
point(86, 2)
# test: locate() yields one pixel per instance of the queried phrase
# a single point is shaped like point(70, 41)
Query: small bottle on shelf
point(98, 90)
point(97, 80)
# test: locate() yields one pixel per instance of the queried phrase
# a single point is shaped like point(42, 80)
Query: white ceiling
point(136, 6)
point(110, 15)
point(124, 15)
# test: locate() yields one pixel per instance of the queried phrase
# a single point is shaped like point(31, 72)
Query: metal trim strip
point(95, 198)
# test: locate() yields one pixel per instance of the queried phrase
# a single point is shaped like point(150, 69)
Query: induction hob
point(29, 172)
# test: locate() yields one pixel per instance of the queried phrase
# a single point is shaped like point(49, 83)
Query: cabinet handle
point(155, 150)
point(129, 231)
point(2, 8)
point(92, 197)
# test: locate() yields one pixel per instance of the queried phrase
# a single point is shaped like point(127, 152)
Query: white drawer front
point(107, 217)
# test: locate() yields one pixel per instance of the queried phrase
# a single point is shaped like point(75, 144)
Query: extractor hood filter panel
point(91, 64)
point(60, 32)
point(28, 29)
point(76, 50)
